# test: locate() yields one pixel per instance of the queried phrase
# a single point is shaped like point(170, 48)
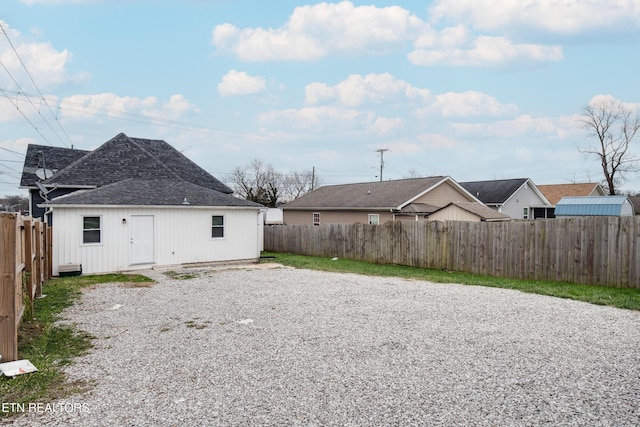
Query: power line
point(11, 151)
point(37, 88)
point(26, 118)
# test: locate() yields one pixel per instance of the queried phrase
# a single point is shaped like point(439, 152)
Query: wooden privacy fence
point(585, 250)
point(24, 265)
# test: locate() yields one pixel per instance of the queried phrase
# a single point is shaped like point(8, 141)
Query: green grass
point(50, 346)
point(601, 295)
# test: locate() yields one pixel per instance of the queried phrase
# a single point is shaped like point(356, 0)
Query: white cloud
point(553, 16)
point(81, 107)
point(385, 125)
point(313, 32)
point(47, 66)
point(522, 126)
point(467, 104)
point(318, 118)
point(236, 83)
point(359, 90)
point(482, 51)
point(436, 141)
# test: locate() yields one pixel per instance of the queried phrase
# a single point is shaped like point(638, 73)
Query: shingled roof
point(123, 157)
point(494, 192)
point(151, 192)
point(53, 158)
point(555, 192)
point(483, 212)
point(394, 194)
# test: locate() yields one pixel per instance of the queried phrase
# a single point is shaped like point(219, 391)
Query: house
point(555, 192)
point(41, 162)
point(375, 202)
point(594, 206)
point(467, 211)
point(136, 203)
point(518, 198)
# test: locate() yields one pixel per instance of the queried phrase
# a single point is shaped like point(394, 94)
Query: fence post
point(8, 304)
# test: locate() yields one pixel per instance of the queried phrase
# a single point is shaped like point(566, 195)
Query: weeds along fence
point(586, 250)
point(24, 266)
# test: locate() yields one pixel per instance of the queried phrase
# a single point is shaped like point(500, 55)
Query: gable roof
point(593, 206)
point(555, 192)
point(635, 201)
point(495, 192)
point(483, 212)
point(123, 157)
point(379, 195)
point(54, 158)
point(151, 192)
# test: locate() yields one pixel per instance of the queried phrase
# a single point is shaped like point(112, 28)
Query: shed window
point(217, 226)
point(316, 218)
point(91, 231)
point(525, 213)
point(374, 219)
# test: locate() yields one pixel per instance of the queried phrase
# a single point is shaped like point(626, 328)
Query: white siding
point(182, 235)
point(522, 198)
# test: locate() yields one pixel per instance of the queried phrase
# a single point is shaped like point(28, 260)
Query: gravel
point(282, 346)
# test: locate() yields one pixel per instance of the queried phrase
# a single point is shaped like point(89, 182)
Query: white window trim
point(101, 230)
point(314, 218)
point(224, 228)
point(376, 216)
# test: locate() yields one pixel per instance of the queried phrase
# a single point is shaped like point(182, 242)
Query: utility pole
point(381, 151)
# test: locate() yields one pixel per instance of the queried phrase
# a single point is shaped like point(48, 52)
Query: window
point(374, 219)
point(91, 229)
point(217, 226)
point(316, 218)
point(525, 213)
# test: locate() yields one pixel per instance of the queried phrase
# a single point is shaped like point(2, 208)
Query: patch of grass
point(601, 295)
point(180, 276)
point(50, 346)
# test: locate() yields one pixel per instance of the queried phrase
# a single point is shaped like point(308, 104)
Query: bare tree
point(614, 126)
point(297, 183)
point(258, 182)
point(261, 183)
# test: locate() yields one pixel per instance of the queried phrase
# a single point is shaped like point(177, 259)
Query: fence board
point(596, 250)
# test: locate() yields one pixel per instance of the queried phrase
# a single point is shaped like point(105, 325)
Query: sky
point(476, 90)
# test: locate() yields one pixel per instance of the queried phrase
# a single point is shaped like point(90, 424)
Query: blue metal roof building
point(594, 206)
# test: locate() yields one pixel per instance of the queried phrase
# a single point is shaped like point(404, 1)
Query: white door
point(141, 231)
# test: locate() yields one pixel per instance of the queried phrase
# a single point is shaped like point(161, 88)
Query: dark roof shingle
point(123, 157)
point(54, 158)
point(494, 192)
point(152, 192)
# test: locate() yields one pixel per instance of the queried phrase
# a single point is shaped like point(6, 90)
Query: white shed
point(137, 224)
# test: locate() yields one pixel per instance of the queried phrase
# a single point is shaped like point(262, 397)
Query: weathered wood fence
point(24, 265)
point(589, 250)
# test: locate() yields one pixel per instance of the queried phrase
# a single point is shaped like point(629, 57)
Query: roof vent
point(185, 202)
point(368, 191)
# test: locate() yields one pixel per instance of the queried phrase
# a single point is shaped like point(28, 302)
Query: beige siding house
point(467, 211)
point(376, 202)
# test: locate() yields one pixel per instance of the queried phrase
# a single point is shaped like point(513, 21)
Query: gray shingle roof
point(367, 195)
point(152, 192)
point(123, 157)
point(494, 192)
point(55, 158)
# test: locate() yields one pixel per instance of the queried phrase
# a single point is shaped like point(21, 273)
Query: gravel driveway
point(282, 346)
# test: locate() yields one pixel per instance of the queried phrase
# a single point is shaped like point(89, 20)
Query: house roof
point(591, 206)
point(483, 212)
point(495, 192)
point(53, 158)
point(380, 195)
point(123, 157)
point(555, 192)
point(151, 192)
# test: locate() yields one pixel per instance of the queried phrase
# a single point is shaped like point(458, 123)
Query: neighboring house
point(41, 162)
point(138, 203)
point(594, 206)
point(467, 211)
point(375, 202)
point(555, 192)
point(518, 198)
